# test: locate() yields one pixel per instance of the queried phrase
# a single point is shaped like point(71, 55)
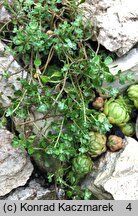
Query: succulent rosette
point(133, 91)
point(133, 94)
point(117, 111)
point(97, 144)
point(136, 103)
point(129, 129)
point(82, 165)
point(115, 143)
point(98, 103)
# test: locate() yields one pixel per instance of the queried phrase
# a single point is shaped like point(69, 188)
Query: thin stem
point(39, 119)
point(5, 25)
point(60, 132)
point(50, 55)
point(64, 82)
point(84, 107)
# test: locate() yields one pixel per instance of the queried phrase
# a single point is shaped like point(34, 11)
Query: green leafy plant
point(52, 42)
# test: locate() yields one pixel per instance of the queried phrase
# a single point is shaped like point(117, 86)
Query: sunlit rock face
point(116, 22)
point(15, 165)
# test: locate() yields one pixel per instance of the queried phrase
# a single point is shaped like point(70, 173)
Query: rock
point(116, 174)
point(9, 83)
point(37, 123)
point(116, 23)
point(39, 126)
point(4, 15)
point(127, 63)
point(46, 163)
point(137, 128)
point(34, 191)
point(15, 165)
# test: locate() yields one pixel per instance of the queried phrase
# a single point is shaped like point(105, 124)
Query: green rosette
point(97, 144)
point(117, 111)
point(129, 129)
point(133, 94)
point(82, 165)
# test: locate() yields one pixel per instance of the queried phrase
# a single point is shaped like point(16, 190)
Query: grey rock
point(40, 128)
point(13, 69)
point(4, 14)
point(37, 124)
point(116, 175)
point(33, 191)
point(137, 128)
point(15, 165)
point(116, 23)
point(126, 63)
point(47, 163)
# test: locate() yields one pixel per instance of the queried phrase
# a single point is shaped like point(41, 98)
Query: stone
point(114, 22)
point(9, 83)
point(127, 63)
point(137, 127)
point(15, 165)
point(46, 163)
point(116, 174)
point(40, 126)
point(4, 14)
point(36, 122)
point(32, 191)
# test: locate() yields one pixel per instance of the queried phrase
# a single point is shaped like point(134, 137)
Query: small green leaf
point(42, 108)
point(9, 112)
point(61, 105)
point(108, 60)
point(82, 1)
point(37, 62)
point(50, 177)
point(83, 149)
point(56, 74)
point(44, 79)
point(30, 151)
point(87, 194)
point(96, 59)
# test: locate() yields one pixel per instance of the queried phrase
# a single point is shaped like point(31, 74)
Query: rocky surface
point(4, 15)
point(36, 123)
point(8, 85)
point(40, 128)
point(15, 165)
point(32, 191)
point(137, 128)
point(116, 174)
point(10, 70)
point(116, 22)
point(127, 64)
